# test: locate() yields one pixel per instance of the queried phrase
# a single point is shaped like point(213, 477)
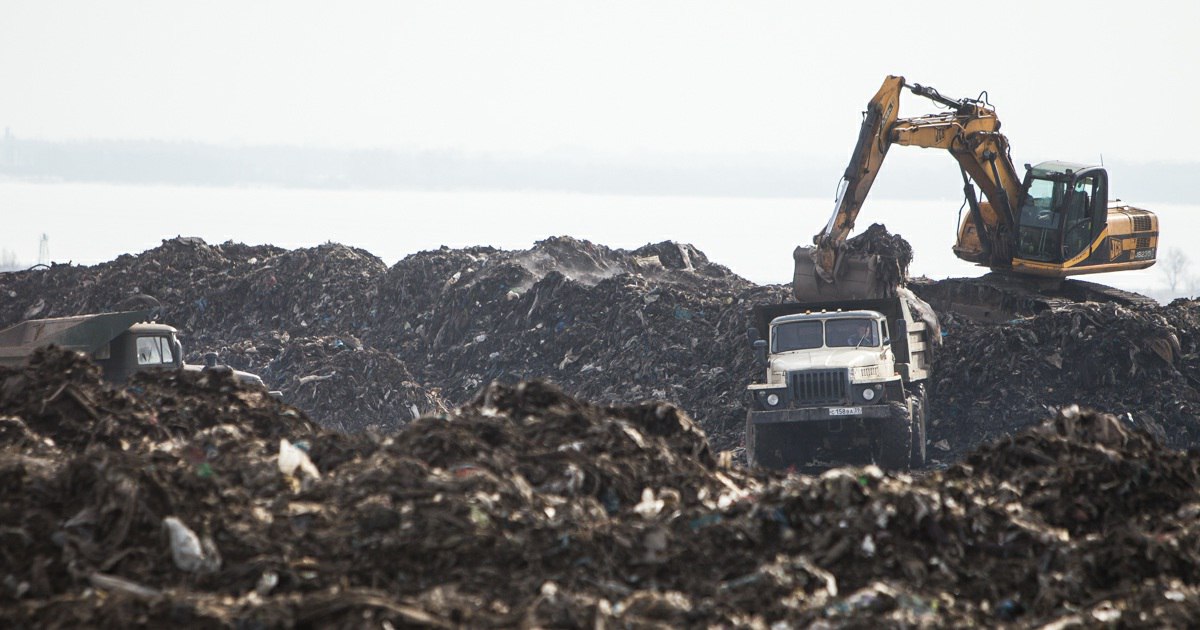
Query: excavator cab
point(1063, 211)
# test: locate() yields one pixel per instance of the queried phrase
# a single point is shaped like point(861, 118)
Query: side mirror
point(760, 351)
point(887, 341)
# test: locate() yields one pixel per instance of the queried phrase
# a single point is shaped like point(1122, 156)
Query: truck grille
point(816, 387)
point(1141, 223)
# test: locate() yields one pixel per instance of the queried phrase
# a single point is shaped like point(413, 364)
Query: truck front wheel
point(778, 446)
point(893, 440)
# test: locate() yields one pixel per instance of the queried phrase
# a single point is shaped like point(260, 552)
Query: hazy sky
point(1070, 80)
point(640, 83)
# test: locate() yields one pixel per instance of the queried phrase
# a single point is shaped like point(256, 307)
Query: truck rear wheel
point(920, 415)
point(893, 441)
point(751, 459)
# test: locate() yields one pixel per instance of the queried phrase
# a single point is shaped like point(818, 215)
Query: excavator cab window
point(1041, 219)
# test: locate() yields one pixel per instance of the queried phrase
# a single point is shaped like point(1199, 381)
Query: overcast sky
point(651, 85)
point(1070, 80)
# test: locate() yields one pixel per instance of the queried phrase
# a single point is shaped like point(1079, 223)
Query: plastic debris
point(188, 551)
point(292, 459)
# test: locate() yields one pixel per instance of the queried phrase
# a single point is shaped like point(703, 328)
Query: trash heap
point(360, 345)
point(659, 322)
point(1140, 363)
point(189, 500)
point(357, 344)
point(349, 386)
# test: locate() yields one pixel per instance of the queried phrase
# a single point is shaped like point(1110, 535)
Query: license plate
point(845, 411)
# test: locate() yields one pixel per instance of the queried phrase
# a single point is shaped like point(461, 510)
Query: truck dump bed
point(84, 333)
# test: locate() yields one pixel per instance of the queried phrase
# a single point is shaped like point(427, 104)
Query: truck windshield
point(154, 351)
point(851, 332)
point(796, 336)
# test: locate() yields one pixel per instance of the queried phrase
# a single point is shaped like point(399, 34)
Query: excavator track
point(1083, 291)
point(999, 297)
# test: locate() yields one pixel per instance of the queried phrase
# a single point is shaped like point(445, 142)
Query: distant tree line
point(750, 175)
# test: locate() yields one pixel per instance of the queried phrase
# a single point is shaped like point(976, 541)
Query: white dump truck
point(844, 377)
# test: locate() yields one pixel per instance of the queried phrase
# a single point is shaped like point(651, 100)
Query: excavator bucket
point(856, 277)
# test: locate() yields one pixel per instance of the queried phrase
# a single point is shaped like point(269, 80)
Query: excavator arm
point(869, 151)
point(969, 131)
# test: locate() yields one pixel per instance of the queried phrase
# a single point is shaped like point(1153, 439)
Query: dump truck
point(121, 343)
point(847, 378)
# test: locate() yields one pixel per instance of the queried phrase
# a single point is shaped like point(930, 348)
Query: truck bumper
point(819, 414)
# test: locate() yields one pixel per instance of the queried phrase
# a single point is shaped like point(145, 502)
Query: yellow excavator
point(1032, 232)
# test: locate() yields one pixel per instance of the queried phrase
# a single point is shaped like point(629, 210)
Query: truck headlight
point(772, 399)
point(869, 393)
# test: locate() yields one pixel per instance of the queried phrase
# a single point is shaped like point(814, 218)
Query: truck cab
point(840, 376)
point(144, 346)
point(809, 353)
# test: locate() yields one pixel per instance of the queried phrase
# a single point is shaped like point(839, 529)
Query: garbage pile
point(1140, 363)
point(660, 322)
point(199, 502)
point(349, 386)
point(360, 345)
point(357, 344)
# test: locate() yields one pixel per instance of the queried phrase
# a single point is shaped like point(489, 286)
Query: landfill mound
point(211, 504)
point(1141, 363)
point(657, 322)
point(360, 345)
point(349, 386)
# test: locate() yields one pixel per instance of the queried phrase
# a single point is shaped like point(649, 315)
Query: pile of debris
point(201, 502)
point(349, 386)
point(1139, 363)
point(359, 345)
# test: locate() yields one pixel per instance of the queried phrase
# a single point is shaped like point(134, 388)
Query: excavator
point(1032, 232)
